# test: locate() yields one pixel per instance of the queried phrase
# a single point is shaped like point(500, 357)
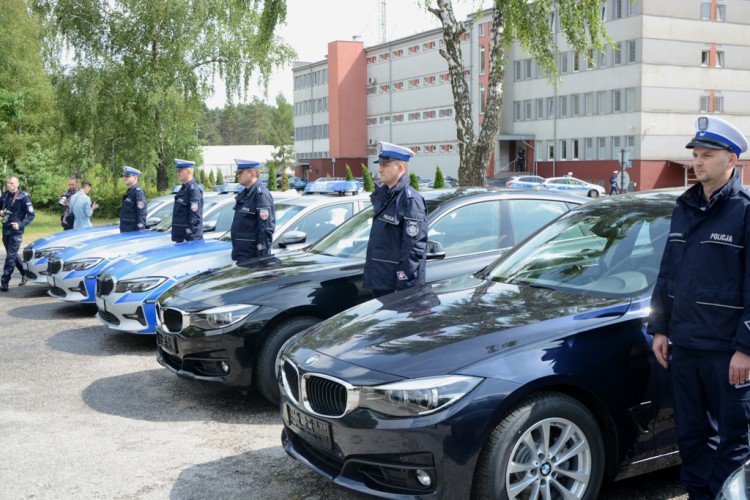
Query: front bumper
point(73, 286)
point(35, 270)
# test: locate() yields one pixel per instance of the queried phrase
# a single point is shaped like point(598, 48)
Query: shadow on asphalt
point(54, 311)
point(159, 396)
point(101, 341)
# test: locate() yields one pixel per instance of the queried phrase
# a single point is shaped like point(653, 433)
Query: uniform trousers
point(711, 417)
point(12, 243)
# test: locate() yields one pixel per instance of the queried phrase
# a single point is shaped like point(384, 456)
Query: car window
point(164, 211)
point(323, 220)
point(349, 240)
point(284, 212)
point(470, 229)
point(527, 216)
point(223, 218)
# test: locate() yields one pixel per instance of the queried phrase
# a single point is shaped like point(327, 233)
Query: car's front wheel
point(593, 194)
point(265, 363)
point(549, 446)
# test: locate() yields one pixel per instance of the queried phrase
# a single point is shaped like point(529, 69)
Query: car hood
point(260, 281)
point(75, 236)
point(172, 261)
point(116, 245)
point(443, 327)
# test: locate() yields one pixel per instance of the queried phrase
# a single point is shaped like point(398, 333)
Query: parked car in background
point(229, 187)
point(127, 289)
point(36, 254)
point(297, 183)
point(228, 326)
point(336, 185)
point(573, 185)
point(496, 181)
point(525, 182)
point(531, 379)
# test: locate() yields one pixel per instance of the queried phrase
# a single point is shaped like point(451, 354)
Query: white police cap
point(183, 163)
point(130, 171)
point(715, 133)
point(245, 164)
point(391, 152)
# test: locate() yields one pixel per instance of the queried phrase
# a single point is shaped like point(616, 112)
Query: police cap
point(393, 152)
point(715, 133)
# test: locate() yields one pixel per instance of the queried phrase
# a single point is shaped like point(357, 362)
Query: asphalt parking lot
point(87, 412)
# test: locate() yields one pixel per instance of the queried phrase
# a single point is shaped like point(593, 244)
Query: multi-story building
point(633, 103)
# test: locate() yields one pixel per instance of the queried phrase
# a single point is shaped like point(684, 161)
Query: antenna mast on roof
point(382, 21)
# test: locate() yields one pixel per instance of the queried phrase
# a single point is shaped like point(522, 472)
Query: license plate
point(100, 304)
point(310, 427)
point(168, 343)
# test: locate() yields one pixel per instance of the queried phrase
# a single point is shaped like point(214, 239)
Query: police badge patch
point(263, 212)
point(412, 227)
point(141, 205)
point(194, 207)
point(401, 275)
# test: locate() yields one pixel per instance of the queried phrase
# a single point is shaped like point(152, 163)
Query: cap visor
point(696, 143)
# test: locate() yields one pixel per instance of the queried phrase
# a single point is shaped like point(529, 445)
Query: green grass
point(47, 222)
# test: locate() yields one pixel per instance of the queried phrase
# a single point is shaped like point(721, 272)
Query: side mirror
point(292, 238)
point(435, 250)
point(152, 221)
point(209, 226)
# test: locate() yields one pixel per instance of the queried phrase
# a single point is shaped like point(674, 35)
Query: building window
point(603, 12)
point(563, 149)
point(617, 14)
point(719, 58)
point(588, 148)
point(384, 57)
point(603, 58)
point(397, 118)
point(575, 104)
point(589, 103)
point(563, 62)
point(372, 59)
point(414, 83)
point(527, 69)
point(617, 53)
point(718, 104)
point(617, 101)
point(385, 88)
point(576, 62)
point(590, 60)
point(414, 116)
point(384, 119)
point(481, 29)
point(516, 111)
point(416, 149)
point(430, 149)
point(574, 147)
point(631, 51)
point(398, 53)
point(517, 76)
point(705, 57)
point(428, 45)
point(372, 121)
point(601, 148)
point(398, 85)
point(550, 107)
point(445, 77)
point(481, 59)
point(601, 98)
point(630, 98)
point(527, 109)
point(563, 103)
point(616, 148)
point(446, 113)
point(551, 150)
point(426, 115)
point(482, 99)
point(372, 90)
point(721, 12)
point(414, 49)
point(539, 109)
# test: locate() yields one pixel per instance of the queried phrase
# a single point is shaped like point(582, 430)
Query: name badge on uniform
point(264, 212)
point(412, 227)
point(194, 207)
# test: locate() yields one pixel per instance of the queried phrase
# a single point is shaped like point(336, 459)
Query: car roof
point(322, 199)
point(443, 197)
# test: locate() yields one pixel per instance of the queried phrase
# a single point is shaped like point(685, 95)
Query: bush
point(219, 178)
point(439, 180)
point(349, 175)
point(271, 176)
point(414, 181)
point(284, 181)
point(367, 183)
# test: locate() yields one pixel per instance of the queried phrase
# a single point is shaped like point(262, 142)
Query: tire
point(509, 468)
point(264, 377)
point(593, 194)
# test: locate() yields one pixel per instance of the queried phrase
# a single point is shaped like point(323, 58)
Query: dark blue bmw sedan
point(532, 379)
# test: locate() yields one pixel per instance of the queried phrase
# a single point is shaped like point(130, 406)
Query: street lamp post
point(622, 169)
point(333, 167)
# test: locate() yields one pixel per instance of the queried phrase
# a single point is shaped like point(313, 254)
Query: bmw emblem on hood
point(312, 359)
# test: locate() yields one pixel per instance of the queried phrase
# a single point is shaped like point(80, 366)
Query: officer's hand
point(739, 368)
point(660, 347)
point(14, 225)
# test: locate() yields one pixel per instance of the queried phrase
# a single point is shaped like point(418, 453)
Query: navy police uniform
point(396, 251)
point(254, 220)
point(701, 301)
point(187, 214)
point(614, 189)
point(17, 208)
point(133, 209)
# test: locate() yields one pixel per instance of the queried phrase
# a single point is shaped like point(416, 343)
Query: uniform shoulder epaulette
point(745, 192)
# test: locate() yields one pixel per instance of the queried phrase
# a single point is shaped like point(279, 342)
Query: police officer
point(187, 214)
point(701, 304)
point(17, 212)
point(133, 209)
point(254, 220)
point(614, 189)
point(396, 251)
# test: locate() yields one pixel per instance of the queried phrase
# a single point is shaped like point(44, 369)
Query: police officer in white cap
point(187, 214)
point(701, 305)
point(396, 251)
point(254, 220)
point(133, 208)
point(614, 188)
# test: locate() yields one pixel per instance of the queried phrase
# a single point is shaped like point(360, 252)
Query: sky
point(312, 24)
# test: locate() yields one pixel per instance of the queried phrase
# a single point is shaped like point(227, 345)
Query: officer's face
point(130, 180)
point(247, 176)
point(390, 172)
point(184, 174)
point(713, 166)
point(12, 184)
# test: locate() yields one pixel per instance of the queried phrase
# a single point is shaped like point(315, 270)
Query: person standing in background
point(66, 219)
point(187, 214)
point(254, 220)
point(16, 212)
point(81, 207)
point(133, 208)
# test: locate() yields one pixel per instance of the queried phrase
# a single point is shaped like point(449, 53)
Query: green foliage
point(414, 181)
point(284, 181)
point(211, 179)
point(367, 183)
point(40, 175)
point(219, 178)
point(439, 179)
point(272, 177)
point(349, 175)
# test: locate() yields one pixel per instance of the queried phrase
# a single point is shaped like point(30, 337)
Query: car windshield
point(610, 250)
point(283, 212)
point(350, 239)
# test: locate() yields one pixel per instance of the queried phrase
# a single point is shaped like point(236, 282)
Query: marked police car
point(573, 185)
point(337, 185)
point(227, 326)
point(36, 254)
point(525, 182)
point(127, 289)
point(71, 274)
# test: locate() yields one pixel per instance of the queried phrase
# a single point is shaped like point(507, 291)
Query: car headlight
point(139, 285)
point(221, 317)
point(735, 486)
point(81, 264)
point(46, 253)
point(415, 397)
